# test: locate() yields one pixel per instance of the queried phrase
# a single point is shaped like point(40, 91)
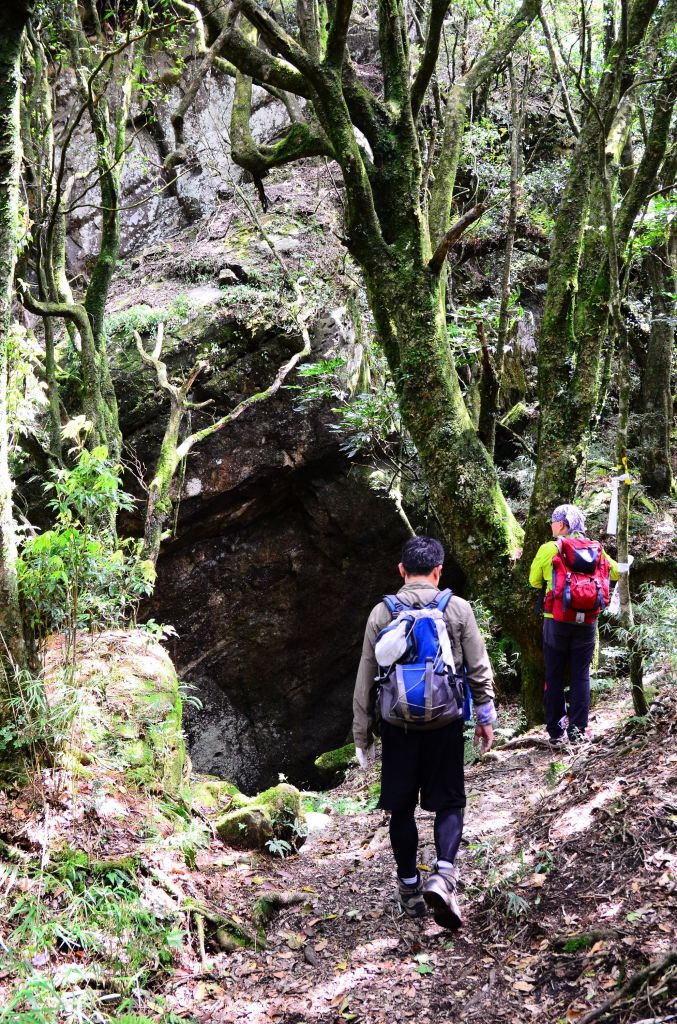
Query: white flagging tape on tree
point(612, 528)
point(612, 521)
point(615, 602)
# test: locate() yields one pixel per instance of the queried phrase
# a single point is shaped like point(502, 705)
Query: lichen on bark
point(13, 18)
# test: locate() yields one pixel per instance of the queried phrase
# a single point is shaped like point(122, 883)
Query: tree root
point(200, 925)
point(525, 741)
point(272, 901)
point(228, 934)
point(631, 986)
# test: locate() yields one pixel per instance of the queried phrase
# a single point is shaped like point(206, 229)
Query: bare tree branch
point(188, 98)
point(459, 98)
point(654, 153)
point(566, 99)
point(453, 235)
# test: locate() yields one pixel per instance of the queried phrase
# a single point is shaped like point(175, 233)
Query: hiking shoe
point(439, 892)
point(557, 742)
point(410, 898)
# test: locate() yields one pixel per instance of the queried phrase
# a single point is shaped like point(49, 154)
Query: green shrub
point(79, 575)
point(656, 628)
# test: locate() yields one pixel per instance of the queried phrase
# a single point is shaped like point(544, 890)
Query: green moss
point(254, 821)
point(332, 763)
point(127, 864)
point(137, 753)
point(246, 828)
point(583, 941)
point(213, 794)
point(130, 708)
point(230, 939)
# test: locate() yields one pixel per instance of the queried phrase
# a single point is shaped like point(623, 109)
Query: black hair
point(420, 555)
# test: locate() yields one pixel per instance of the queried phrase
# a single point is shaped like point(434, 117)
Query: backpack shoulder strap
point(442, 600)
point(394, 604)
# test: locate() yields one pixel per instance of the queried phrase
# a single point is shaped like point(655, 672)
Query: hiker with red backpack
point(420, 647)
point(575, 573)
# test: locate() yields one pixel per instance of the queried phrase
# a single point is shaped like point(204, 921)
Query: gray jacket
point(465, 637)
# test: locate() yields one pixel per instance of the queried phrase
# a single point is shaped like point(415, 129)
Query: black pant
point(572, 644)
point(425, 765)
point(404, 838)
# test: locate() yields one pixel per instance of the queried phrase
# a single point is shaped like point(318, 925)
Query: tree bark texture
point(13, 18)
point(491, 389)
point(476, 521)
point(657, 413)
point(579, 289)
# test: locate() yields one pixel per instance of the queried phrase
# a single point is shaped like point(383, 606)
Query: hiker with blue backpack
point(574, 572)
point(421, 646)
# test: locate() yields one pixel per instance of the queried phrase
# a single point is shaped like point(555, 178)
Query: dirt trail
point(346, 953)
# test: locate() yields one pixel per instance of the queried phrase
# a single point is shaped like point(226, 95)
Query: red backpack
point(580, 581)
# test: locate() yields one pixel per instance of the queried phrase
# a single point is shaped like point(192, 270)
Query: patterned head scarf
point(572, 516)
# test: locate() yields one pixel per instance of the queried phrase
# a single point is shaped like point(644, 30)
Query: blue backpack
point(418, 684)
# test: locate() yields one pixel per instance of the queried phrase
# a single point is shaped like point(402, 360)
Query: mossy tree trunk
point(106, 72)
point(576, 310)
point(580, 287)
point(660, 264)
point(48, 198)
point(106, 81)
point(492, 376)
point(400, 254)
point(37, 139)
point(13, 17)
point(627, 616)
point(477, 522)
point(615, 244)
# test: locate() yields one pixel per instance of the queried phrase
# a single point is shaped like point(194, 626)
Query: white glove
point(365, 756)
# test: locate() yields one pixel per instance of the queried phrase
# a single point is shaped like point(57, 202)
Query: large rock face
point(281, 546)
point(280, 554)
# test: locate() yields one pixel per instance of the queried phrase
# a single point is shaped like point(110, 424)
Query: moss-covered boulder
point(211, 795)
point(333, 764)
point(260, 822)
point(128, 707)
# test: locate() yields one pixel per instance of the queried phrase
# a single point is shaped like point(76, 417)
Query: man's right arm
point(362, 697)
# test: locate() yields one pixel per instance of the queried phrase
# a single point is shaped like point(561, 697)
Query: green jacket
point(465, 637)
point(541, 567)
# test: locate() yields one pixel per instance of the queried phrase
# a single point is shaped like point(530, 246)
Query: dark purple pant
point(573, 645)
